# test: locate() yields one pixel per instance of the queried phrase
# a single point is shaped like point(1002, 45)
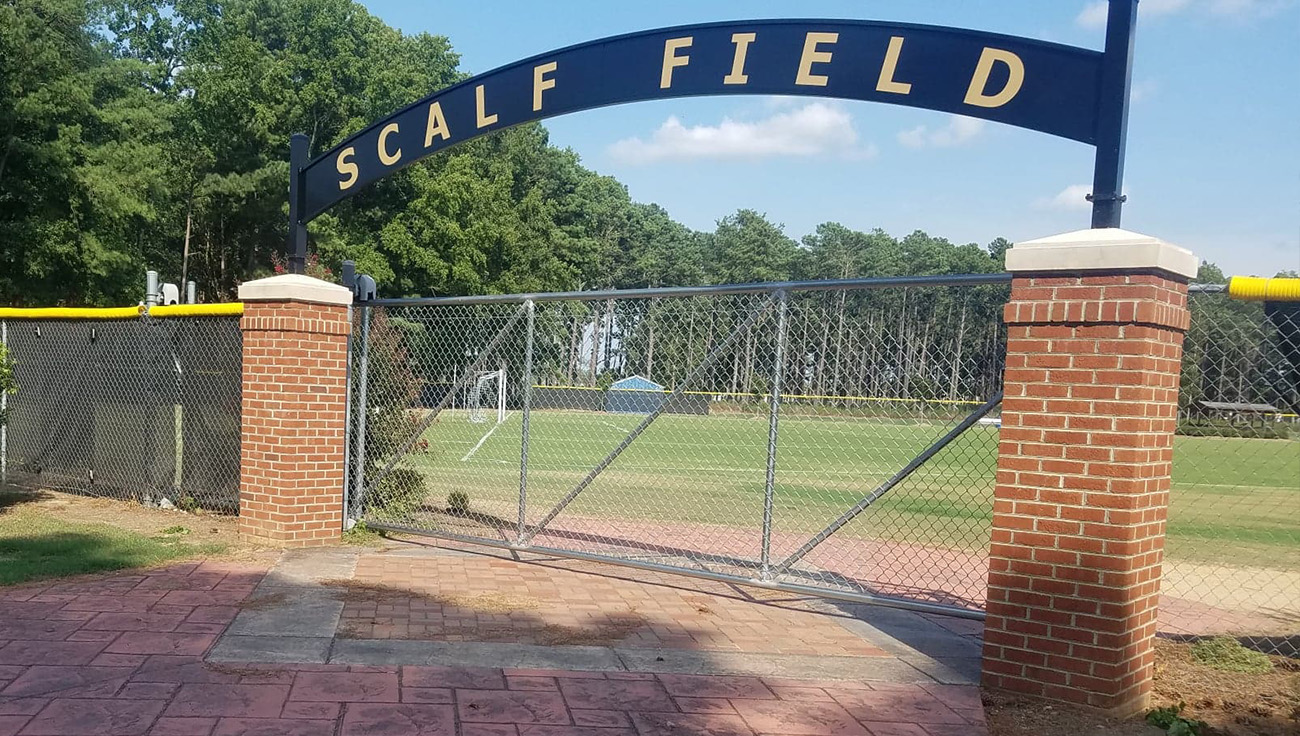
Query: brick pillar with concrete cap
point(1095, 332)
point(294, 410)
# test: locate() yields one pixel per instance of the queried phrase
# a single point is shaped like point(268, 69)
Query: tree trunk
point(185, 253)
point(609, 334)
point(596, 324)
point(4, 160)
point(953, 387)
point(821, 353)
point(839, 344)
point(575, 328)
point(650, 351)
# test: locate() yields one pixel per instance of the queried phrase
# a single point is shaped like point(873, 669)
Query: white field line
point(482, 439)
point(615, 426)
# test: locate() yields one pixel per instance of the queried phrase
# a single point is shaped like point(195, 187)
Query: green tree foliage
point(142, 134)
point(7, 383)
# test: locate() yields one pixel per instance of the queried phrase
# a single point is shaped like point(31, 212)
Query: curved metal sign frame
point(1069, 92)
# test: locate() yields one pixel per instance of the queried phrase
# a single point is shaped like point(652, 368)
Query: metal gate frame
point(767, 572)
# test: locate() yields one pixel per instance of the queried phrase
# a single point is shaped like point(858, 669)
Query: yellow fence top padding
point(70, 313)
point(198, 310)
point(174, 310)
point(1256, 289)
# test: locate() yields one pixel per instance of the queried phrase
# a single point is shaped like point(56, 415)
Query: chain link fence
point(1232, 562)
point(144, 409)
point(838, 439)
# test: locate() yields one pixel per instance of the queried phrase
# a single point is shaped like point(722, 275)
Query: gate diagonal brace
point(473, 368)
point(883, 488)
point(757, 314)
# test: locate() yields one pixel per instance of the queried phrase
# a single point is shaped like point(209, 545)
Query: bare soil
point(1231, 703)
point(200, 527)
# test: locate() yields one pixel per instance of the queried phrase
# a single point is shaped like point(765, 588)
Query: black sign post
point(1073, 93)
point(1112, 114)
point(298, 155)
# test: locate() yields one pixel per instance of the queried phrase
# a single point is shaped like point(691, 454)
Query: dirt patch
point(1010, 716)
point(492, 602)
point(1231, 703)
point(611, 630)
point(353, 591)
point(1234, 703)
point(263, 602)
point(199, 527)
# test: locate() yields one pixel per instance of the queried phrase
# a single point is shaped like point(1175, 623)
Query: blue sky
point(1214, 133)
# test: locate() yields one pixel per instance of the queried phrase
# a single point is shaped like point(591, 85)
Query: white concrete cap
point(1102, 249)
point(293, 287)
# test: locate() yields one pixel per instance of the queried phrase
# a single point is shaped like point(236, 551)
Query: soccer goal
point(488, 393)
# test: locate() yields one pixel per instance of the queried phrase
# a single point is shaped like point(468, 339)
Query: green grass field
point(36, 545)
point(1234, 501)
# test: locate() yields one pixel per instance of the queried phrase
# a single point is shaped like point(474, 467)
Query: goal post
point(488, 396)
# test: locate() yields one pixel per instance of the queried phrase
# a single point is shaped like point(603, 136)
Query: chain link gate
point(1232, 556)
point(141, 408)
point(835, 438)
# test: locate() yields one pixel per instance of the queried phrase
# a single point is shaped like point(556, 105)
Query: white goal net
point(487, 397)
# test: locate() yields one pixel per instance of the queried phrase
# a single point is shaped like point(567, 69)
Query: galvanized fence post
point(773, 420)
point(347, 424)
point(528, 405)
point(359, 457)
point(4, 410)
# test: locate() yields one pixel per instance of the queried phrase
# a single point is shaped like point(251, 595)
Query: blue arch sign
point(1070, 92)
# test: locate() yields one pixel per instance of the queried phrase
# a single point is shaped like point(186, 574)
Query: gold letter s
point(347, 168)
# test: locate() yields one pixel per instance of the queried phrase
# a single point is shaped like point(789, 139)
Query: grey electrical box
point(365, 288)
point(171, 294)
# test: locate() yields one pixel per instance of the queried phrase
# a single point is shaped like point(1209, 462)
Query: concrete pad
point(298, 567)
point(381, 652)
point(473, 654)
point(304, 613)
point(271, 649)
point(947, 670)
point(800, 666)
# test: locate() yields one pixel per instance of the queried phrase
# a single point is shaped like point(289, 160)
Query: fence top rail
point(174, 310)
point(976, 279)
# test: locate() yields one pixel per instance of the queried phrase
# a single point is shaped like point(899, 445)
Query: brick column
point(1095, 332)
point(294, 410)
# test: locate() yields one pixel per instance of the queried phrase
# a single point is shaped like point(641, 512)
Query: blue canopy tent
point(634, 395)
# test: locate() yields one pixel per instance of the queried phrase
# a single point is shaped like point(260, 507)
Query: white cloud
point(816, 128)
point(1071, 198)
point(1093, 14)
point(959, 131)
point(1143, 90)
point(1247, 9)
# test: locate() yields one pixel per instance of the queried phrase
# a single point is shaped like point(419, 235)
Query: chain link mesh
point(1233, 548)
point(142, 409)
point(648, 425)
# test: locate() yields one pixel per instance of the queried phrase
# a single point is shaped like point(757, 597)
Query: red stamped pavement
point(122, 655)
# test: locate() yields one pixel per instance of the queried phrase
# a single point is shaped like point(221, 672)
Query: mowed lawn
point(1233, 500)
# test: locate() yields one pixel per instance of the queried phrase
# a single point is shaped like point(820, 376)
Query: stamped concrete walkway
point(219, 649)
